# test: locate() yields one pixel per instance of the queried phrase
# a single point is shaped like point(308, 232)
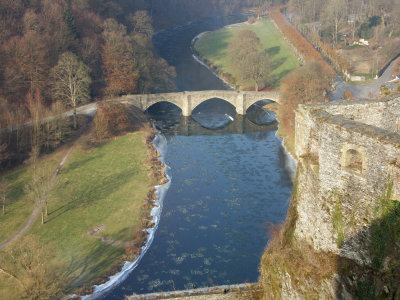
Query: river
point(228, 180)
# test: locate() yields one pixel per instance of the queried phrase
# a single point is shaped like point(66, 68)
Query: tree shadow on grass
point(276, 78)
point(276, 63)
point(283, 74)
point(94, 267)
point(223, 43)
point(102, 260)
point(17, 191)
point(80, 163)
point(273, 51)
point(98, 190)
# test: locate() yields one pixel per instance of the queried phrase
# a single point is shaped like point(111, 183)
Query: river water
point(228, 180)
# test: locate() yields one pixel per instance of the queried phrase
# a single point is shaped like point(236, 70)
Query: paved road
point(88, 110)
point(369, 90)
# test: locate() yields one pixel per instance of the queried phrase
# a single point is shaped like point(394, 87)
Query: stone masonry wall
point(348, 152)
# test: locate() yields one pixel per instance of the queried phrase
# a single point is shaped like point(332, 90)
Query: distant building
point(352, 18)
point(361, 42)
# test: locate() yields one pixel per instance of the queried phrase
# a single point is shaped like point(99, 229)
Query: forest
point(337, 20)
point(356, 36)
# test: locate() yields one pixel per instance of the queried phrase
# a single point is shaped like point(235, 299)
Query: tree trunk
point(4, 209)
point(256, 86)
point(336, 31)
point(42, 218)
point(75, 117)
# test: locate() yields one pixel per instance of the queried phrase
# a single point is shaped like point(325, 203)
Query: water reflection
point(215, 114)
point(260, 115)
point(189, 127)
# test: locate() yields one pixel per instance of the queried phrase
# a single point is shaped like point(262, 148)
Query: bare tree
point(246, 54)
point(3, 152)
point(119, 61)
point(311, 83)
point(140, 23)
point(354, 9)
point(29, 264)
point(39, 186)
point(4, 188)
point(257, 68)
point(245, 42)
point(71, 81)
point(37, 113)
point(334, 14)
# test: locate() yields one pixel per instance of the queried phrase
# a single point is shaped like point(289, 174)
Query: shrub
point(348, 95)
point(114, 119)
point(251, 20)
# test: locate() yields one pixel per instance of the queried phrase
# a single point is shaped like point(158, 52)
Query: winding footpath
point(38, 207)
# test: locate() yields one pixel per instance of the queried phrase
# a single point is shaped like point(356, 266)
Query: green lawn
point(105, 186)
point(213, 47)
point(19, 205)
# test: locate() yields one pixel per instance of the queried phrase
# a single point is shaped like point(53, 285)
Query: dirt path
point(37, 208)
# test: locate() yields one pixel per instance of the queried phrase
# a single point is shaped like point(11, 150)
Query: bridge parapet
point(189, 100)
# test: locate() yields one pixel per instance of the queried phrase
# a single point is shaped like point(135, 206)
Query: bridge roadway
point(188, 101)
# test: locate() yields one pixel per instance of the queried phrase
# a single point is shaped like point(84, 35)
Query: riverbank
point(211, 49)
point(136, 249)
point(103, 199)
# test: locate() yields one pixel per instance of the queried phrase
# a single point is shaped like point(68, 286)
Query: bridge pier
point(186, 105)
point(240, 104)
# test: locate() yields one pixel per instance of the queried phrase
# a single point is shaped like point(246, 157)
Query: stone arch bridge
point(188, 101)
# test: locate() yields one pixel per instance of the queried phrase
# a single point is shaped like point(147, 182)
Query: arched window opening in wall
point(354, 160)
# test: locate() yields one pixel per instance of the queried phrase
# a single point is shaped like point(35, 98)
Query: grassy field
point(213, 46)
point(106, 186)
point(19, 205)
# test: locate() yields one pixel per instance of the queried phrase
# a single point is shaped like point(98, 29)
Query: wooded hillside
point(110, 40)
point(356, 36)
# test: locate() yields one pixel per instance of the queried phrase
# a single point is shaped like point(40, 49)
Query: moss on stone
point(338, 224)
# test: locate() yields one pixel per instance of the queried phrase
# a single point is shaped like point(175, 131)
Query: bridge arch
point(224, 103)
point(254, 97)
point(260, 103)
point(187, 101)
point(151, 100)
point(151, 105)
